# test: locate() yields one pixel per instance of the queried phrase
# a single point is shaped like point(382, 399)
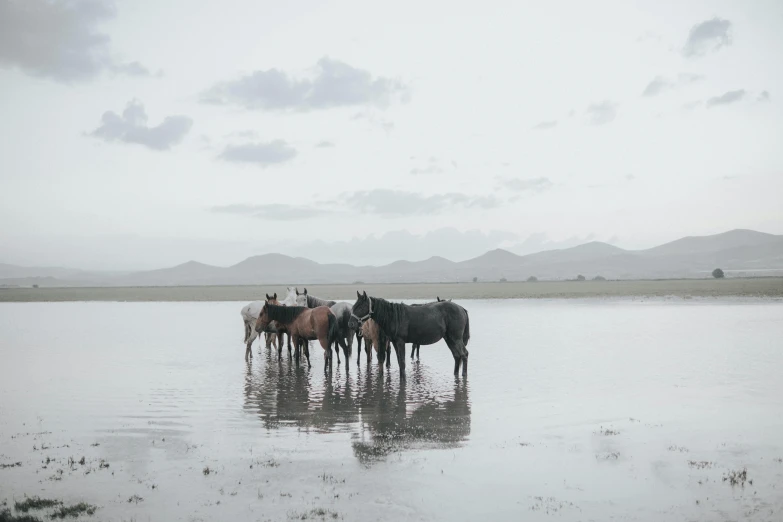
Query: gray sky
point(144, 134)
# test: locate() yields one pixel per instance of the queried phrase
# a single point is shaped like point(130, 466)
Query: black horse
point(418, 325)
point(416, 348)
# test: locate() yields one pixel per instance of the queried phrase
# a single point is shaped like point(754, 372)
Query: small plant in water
point(737, 477)
point(315, 514)
point(135, 498)
point(6, 516)
point(103, 464)
point(11, 465)
point(206, 471)
point(608, 456)
point(35, 503)
point(75, 510)
point(700, 464)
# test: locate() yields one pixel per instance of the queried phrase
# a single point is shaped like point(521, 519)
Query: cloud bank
point(60, 40)
point(334, 84)
point(131, 127)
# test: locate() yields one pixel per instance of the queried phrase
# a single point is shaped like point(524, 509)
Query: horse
point(290, 300)
point(272, 335)
point(249, 315)
point(341, 310)
point(418, 325)
point(304, 324)
point(416, 348)
point(374, 337)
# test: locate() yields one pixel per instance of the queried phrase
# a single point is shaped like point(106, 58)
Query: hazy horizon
point(424, 246)
point(142, 135)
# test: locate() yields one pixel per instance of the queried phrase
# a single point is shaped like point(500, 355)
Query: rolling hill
point(736, 251)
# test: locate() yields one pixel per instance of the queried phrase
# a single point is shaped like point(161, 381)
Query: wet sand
point(745, 287)
point(593, 409)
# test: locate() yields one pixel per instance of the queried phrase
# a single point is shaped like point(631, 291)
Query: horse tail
point(334, 331)
point(466, 331)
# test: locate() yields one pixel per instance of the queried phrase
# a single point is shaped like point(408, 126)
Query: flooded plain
point(587, 409)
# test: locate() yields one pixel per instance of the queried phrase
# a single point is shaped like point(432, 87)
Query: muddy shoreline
point(747, 287)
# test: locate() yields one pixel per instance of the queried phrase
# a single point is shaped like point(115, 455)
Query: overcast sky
point(140, 134)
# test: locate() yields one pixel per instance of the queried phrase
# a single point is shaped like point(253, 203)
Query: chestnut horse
point(303, 325)
point(373, 338)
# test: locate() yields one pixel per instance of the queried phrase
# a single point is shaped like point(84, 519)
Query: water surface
point(577, 410)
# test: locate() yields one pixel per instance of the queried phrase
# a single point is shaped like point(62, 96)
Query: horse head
point(301, 298)
point(362, 308)
point(290, 298)
point(263, 318)
point(272, 299)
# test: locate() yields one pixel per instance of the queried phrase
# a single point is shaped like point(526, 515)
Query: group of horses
point(302, 318)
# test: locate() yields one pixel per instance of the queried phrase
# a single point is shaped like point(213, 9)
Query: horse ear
point(275, 296)
point(438, 298)
point(365, 293)
point(267, 297)
point(305, 291)
point(297, 291)
point(358, 295)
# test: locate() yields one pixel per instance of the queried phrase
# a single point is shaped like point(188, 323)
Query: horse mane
point(284, 314)
point(314, 302)
point(388, 315)
point(423, 304)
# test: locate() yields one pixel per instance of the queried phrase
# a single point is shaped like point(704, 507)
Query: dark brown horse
point(303, 325)
point(279, 329)
point(418, 325)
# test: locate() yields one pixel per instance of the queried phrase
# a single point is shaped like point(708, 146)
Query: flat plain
point(740, 287)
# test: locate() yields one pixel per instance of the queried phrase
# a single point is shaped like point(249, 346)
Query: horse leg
point(387, 347)
point(296, 349)
point(399, 347)
point(306, 349)
point(456, 352)
point(337, 351)
point(248, 352)
point(349, 345)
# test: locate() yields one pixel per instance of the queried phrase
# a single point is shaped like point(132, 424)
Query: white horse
point(250, 313)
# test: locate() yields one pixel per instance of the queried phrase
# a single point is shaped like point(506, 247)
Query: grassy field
point(751, 287)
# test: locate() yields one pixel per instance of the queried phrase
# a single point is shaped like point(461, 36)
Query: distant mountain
point(74, 276)
point(716, 243)
point(744, 251)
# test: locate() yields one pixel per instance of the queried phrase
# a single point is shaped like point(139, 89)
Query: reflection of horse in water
point(284, 395)
point(434, 424)
point(369, 405)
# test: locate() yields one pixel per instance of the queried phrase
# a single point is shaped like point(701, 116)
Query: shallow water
point(577, 410)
